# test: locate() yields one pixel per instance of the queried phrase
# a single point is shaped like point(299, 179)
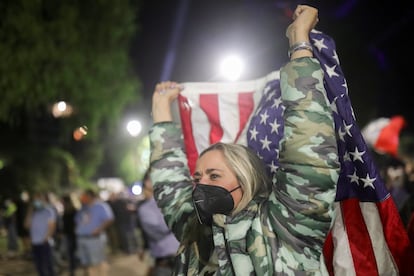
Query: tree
point(72, 50)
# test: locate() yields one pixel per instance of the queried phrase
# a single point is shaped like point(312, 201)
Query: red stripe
point(359, 240)
point(328, 249)
point(396, 236)
point(246, 106)
point(209, 104)
point(189, 143)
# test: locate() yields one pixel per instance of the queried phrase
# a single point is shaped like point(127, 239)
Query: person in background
point(229, 217)
point(92, 221)
point(68, 229)
point(125, 222)
point(22, 207)
point(391, 141)
point(10, 223)
point(406, 154)
point(41, 220)
point(162, 243)
point(112, 232)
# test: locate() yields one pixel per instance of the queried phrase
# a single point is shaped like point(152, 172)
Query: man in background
point(92, 220)
point(41, 220)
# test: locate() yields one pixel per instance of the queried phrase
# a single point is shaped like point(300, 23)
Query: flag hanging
point(367, 236)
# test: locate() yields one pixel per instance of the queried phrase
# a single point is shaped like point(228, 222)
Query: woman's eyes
point(212, 176)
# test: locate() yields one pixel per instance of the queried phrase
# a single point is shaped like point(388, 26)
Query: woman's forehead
point(213, 159)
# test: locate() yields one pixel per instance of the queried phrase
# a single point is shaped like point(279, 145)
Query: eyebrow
point(208, 171)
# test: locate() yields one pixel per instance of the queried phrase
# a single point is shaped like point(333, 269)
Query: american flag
point(367, 236)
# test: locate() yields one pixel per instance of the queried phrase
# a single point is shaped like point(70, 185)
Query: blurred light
point(134, 127)
point(111, 184)
point(24, 196)
point(79, 133)
point(61, 106)
point(61, 109)
point(1, 164)
point(231, 67)
point(104, 195)
point(136, 189)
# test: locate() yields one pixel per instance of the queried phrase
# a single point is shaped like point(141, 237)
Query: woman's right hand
point(164, 94)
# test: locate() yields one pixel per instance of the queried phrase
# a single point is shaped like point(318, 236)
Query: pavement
point(119, 265)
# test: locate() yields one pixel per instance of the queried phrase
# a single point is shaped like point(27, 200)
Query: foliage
point(72, 50)
point(136, 161)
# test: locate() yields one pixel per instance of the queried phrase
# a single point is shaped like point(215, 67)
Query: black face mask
point(210, 199)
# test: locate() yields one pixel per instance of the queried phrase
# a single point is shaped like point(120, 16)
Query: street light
point(134, 128)
point(61, 109)
point(231, 67)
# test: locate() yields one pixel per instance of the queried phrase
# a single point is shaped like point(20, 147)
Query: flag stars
point(265, 143)
point(276, 102)
point(275, 126)
point(331, 71)
point(273, 167)
point(347, 157)
point(353, 177)
point(369, 182)
point(318, 43)
point(267, 89)
point(357, 155)
point(335, 56)
point(253, 133)
point(264, 117)
point(333, 105)
point(269, 97)
point(348, 128)
point(341, 134)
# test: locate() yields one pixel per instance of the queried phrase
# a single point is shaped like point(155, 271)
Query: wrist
point(300, 49)
point(161, 113)
point(296, 35)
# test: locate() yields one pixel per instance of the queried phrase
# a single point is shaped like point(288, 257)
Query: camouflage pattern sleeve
point(300, 207)
point(170, 175)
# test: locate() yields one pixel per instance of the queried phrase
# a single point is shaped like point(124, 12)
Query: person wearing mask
point(160, 240)
point(92, 221)
point(229, 217)
point(41, 222)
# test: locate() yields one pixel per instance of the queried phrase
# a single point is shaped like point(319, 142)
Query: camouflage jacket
point(279, 235)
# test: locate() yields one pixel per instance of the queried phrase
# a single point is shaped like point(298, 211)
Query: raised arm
point(309, 167)
point(169, 170)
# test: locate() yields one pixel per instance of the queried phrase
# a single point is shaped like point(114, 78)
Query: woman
point(230, 219)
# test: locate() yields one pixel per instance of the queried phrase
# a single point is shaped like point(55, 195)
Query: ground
point(119, 264)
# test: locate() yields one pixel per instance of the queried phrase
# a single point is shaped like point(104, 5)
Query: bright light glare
point(134, 127)
point(136, 189)
point(61, 109)
point(231, 67)
point(61, 106)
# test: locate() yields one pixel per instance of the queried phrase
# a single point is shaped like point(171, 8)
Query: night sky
point(183, 40)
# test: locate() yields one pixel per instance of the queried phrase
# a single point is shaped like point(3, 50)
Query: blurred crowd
point(79, 230)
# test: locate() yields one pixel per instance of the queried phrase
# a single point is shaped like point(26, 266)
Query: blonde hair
point(248, 168)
